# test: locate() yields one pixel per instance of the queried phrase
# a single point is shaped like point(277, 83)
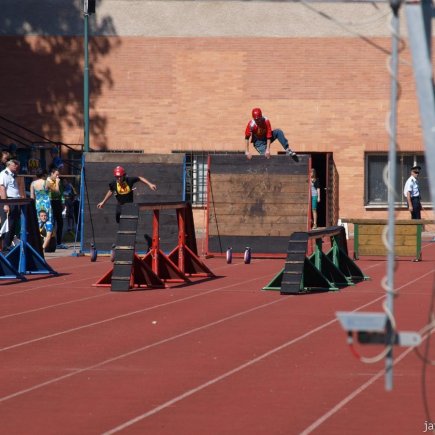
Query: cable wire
point(390, 293)
point(369, 20)
point(346, 26)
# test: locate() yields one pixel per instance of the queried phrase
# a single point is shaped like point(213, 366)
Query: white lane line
point(54, 305)
point(354, 394)
point(239, 368)
point(141, 349)
point(47, 285)
point(118, 357)
point(57, 283)
point(59, 304)
point(215, 380)
point(47, 307)
point(131, 313)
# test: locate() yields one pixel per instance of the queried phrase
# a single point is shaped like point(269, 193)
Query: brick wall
point(327, 94)
point(165, 94)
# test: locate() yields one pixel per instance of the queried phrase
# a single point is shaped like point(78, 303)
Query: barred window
point(376, 192)
point(196, 175)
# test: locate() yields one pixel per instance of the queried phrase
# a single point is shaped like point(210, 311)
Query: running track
point(217, 357)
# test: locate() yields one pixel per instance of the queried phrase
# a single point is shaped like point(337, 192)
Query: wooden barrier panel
point(368, 237)
point(164, 170)
point(256, 203)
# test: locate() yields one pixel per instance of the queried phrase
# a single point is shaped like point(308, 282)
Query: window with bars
point(74, 162)
point(376, 192)
point(196, 175)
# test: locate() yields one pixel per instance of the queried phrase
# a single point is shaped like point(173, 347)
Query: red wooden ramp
point(156, 268)
point(140, 275)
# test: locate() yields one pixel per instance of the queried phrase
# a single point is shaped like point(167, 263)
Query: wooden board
point(385, 221)
point(378, 229)
point(257, 203)
point(374, 240)
point(400, 251)
point(368, 237)
point(164, 170)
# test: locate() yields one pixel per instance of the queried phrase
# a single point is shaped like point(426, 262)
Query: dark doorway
point(319, 163)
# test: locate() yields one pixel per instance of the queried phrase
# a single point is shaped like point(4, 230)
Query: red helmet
point(256, 113)
point(119, 171)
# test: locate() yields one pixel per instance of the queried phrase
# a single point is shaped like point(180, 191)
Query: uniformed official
point(412, 193)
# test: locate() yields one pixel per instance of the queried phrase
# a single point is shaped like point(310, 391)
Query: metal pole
point(392, 165)
point(427, 9)
point(422, 67)
point(86, 84)
point(86, 122)
point(82, 206)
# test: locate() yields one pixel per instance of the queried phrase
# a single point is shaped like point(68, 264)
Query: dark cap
point(416, 168)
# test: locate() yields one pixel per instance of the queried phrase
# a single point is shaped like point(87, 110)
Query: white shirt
point(9, 181)
point(411, 186)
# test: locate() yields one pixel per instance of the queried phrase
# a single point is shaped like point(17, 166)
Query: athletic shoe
point(290, 153)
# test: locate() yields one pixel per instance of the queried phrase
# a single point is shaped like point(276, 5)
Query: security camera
point(371, 322)
point(371, 328)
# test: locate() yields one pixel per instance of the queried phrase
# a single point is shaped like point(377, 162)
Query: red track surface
point(217, 357)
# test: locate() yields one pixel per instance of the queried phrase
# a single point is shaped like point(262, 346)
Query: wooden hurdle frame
point(156, 268)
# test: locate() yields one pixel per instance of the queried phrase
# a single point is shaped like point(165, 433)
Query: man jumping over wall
point(260, 133)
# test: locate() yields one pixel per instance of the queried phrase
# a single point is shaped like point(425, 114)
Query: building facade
point(183, 76)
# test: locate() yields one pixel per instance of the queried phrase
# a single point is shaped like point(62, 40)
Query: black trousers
point(119, 210)
point(57, 208)
point(14, 219)
point(416, 207)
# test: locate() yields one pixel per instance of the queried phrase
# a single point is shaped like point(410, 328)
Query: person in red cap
point(260, 133)
point(122, 188)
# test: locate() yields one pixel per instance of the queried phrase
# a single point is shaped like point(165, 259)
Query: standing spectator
point(71, 204)
point(315, 196)
point(5, 156)
point(13, 150)
point(122, 187)
point(57, 161)
point(40, 192)
point(33, 163)
point(9, 189)
point(57, 203)
point(411, 192)
point(259, 132)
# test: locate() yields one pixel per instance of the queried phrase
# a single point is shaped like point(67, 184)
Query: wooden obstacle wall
point(164, 170)
point(256, 203)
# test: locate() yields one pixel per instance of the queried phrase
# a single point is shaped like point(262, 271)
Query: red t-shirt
point(259, 130)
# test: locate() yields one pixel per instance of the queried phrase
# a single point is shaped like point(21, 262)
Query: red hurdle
point(177, 266)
